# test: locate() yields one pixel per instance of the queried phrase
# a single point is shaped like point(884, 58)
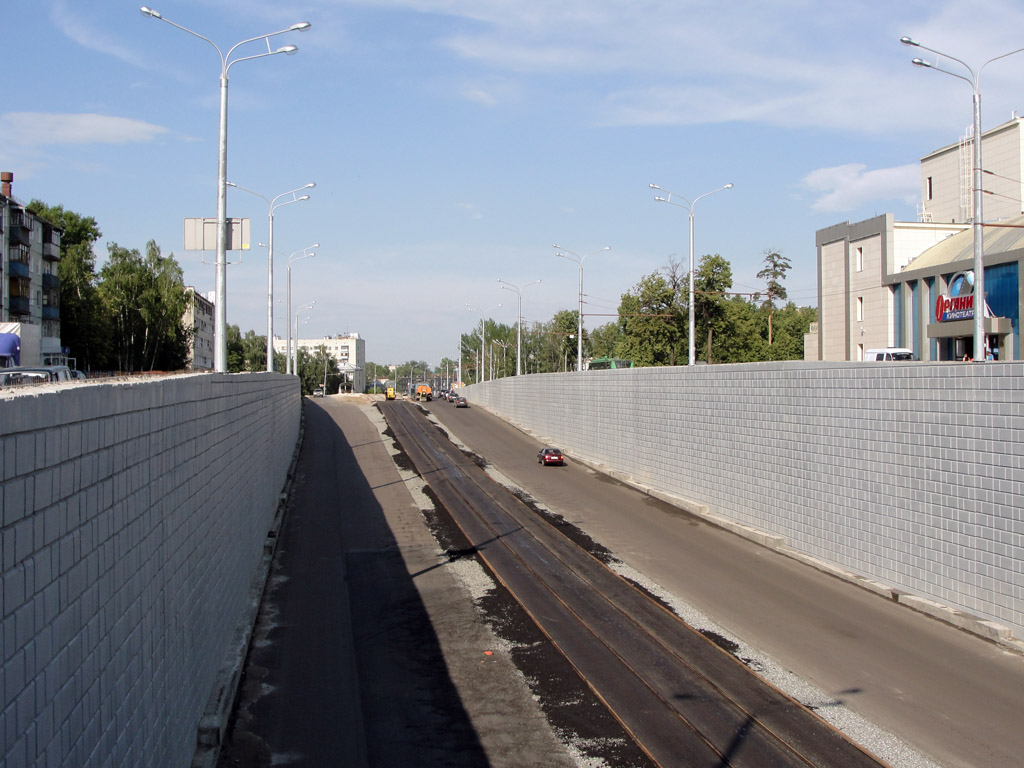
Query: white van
point(889, 353)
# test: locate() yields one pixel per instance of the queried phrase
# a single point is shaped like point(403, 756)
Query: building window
point(860, 309)
point(860, 353)
point(929, 188)
point(860, 259)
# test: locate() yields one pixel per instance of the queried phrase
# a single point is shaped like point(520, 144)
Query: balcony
point(18, 269)
point(51, 282)
point(19, 305)
point(20, 225)
point(51, 313)
point(51, 243)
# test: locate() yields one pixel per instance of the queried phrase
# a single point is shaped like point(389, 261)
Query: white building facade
point(884, 283)
point(348, 351)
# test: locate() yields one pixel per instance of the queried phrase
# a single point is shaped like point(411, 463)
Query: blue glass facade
point(1002, 289)
point(1003, 298)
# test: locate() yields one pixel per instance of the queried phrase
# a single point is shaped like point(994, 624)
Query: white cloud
point(789, 63)
point(79, 29)
point(33, 129)
point(471, 209)
point(847, 187)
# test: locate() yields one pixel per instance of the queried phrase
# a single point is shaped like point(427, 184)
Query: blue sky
point(453, 142)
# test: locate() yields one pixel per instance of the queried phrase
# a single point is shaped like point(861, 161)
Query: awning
point(10, 349)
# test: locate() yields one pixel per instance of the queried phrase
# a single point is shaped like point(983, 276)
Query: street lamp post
point(304, 253)
point(980, 341)
point(566, 254)
point(504, 348)
point(295, 360)
point(518, 290)
point(220, 351)
point(692, 356)
point(483, 342)
point(273, 205)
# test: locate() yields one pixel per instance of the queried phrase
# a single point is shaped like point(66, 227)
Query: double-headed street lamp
point(980, 341)
point(273, 205)
point(565, 254)
point(304, 253)
point(692, 357)
point(483, 342)
point(220, 348)
point(518, 290)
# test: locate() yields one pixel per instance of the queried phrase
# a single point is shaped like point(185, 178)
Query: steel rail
point(733, 716)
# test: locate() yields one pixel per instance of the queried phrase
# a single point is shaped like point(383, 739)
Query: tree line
point(651, 328)
point(128, 315)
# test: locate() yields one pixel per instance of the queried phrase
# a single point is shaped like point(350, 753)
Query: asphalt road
point(368, 650)
point(951, 695)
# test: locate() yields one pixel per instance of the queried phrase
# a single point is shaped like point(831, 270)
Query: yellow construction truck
point(390, 394)
point(424, 392)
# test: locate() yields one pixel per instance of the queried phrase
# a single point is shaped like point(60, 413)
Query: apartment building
point(348, 350)
point(198, 319)
point(29, 284)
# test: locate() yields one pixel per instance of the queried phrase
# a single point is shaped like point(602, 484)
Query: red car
point(550, 456)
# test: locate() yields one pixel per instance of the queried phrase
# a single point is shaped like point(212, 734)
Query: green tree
point(606, 339)
point(164, 301)
point(712, 280)
point(144, 299)
point(235, 350)
point(315, 367)
point(775, 268)
point(792, 322)
point(83, 325)
point(650, 323)
point(562, 340)
point(739, 339)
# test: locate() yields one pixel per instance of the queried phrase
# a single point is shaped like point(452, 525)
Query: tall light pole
point(273, 205)
point(482, 366)
point(692, 356)
point(980, 341)
point(504, 348)
point(304, 253)
point(566, 254)
point(220, 347)
point(518, 290)
point(295, 360)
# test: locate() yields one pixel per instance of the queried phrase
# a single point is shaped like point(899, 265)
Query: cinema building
point(884, 283)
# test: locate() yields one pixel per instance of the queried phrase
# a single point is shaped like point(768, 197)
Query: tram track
point(683, 699)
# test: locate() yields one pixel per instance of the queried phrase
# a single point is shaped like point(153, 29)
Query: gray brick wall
point(909, 474)
point(132, 519)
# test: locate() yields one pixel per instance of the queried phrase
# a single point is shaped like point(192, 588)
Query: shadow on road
point(345, 667)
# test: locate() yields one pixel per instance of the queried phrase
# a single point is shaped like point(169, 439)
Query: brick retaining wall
point(134, 516)
point(910, 474)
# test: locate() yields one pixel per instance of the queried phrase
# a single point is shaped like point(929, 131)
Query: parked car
point(460, 402)
point(550, 456)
